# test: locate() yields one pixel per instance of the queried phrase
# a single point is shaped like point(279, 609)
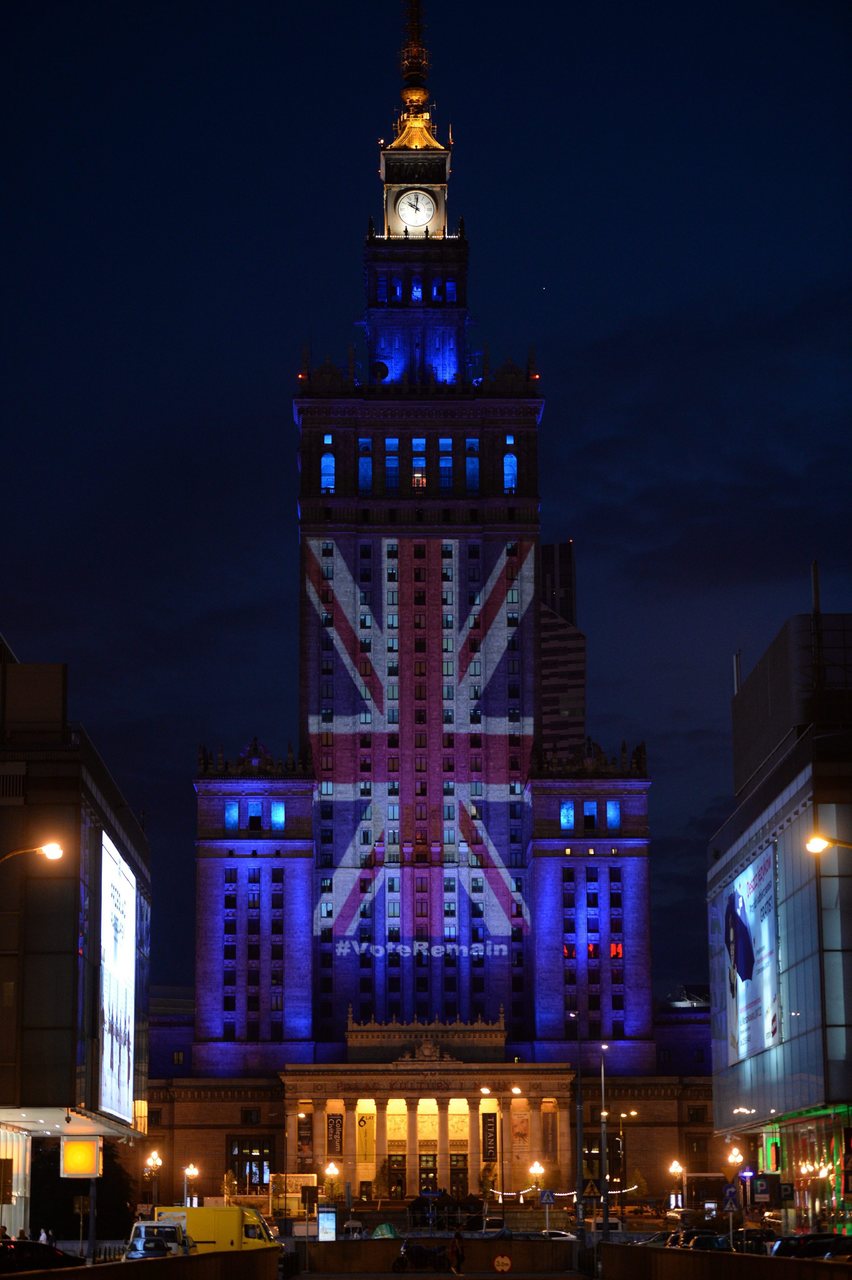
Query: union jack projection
point(420, 671)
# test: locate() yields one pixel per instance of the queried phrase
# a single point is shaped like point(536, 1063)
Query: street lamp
point(622, 1154)
point(603, 1161)
point(679, 1172)
point(578, 1100)
point(331, 1171)
point(735, 1159)
point(52, 851)
point(153, 1165)
point(819, 844)
point(189, 1174)
point(486, 1092)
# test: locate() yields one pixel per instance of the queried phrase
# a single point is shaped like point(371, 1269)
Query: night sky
point(657, 198)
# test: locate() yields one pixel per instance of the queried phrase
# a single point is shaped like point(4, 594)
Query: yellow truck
point(221, 1227)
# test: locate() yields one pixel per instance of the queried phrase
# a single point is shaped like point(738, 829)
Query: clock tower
point(416, 274)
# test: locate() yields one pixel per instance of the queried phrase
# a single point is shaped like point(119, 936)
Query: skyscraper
point(446, 877)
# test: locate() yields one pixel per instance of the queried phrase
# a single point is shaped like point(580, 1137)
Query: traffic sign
point(546, 1197)
point(592, 1190)
point(731, 1202)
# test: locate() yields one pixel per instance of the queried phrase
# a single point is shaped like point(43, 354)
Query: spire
point(415, 59)
point(414, 128)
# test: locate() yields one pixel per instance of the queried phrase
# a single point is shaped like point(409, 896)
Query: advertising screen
point(118, 982)
point(745, 934)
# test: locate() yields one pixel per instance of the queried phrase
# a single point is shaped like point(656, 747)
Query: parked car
point(686, 1217)
point(29, 1255)
point(813, 1245)
point(659, 1239)
point(754, 1240)
point(707, 1241)
point(683, 1239)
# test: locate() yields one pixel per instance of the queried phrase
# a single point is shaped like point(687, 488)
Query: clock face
point(415, 208)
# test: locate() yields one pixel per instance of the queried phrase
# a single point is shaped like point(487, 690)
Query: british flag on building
point(421, 728)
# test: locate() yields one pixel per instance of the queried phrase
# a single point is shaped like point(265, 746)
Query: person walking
point(457, 1254)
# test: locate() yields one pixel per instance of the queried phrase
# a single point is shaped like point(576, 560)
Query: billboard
point(118, 982)
point(744, 936)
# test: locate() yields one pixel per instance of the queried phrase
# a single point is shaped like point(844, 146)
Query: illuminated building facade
point(778, 921)
point(449, 887)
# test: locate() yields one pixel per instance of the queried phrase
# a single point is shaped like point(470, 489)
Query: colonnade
point(435, 1140)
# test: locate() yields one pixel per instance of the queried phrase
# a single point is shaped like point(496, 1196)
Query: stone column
point(291, 1126)
point(412, 1152)
point(474, 1145)
point(563, 1137)
point(320, 1131)
point(381, 1138)
point(350, 1149)
point(443, 1143)
point(505, 1123)
point(535, 1130)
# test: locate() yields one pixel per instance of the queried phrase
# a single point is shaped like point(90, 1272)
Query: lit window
point(613, 815)
point(510, 473)
point(327, 473)
point(566, 815)
point(277, 815)
point(232, 815)
point(365, 466)
point(590, 815)
point(472, 464)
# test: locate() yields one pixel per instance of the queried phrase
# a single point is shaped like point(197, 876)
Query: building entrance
point(458, 1177)
point(396, 1177)
point(428, 1173)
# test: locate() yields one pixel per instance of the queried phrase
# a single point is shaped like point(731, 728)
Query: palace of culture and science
point(410, 935)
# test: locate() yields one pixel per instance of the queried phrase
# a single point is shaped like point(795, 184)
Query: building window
point(613, 815)
point(566, 815)
point(232, 815)
point(471, 464)
point(365, 465)
point(590, 815)
point(327, 473)
point(418, 464)
point(510, 473)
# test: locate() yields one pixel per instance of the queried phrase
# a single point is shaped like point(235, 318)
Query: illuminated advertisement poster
point(745, 930)
point(118, 982)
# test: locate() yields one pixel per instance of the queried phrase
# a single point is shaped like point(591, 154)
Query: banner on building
point(520, 1130)
point(305, 1135)
point(489, 1137)
point(334, 1134)
point(365, 1137)
point(548, 1135)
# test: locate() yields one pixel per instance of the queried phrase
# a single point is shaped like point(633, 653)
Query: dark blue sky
point(657, 198)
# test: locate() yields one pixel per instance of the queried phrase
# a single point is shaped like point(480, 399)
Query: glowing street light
point(52, 851)
point(819, 844)
point(679, 1172)
point(536, 1171)
point(153, 1165)
point(624, 1173)
point(189, 1174)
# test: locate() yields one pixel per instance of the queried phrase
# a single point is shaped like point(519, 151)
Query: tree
point(229, 1185)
